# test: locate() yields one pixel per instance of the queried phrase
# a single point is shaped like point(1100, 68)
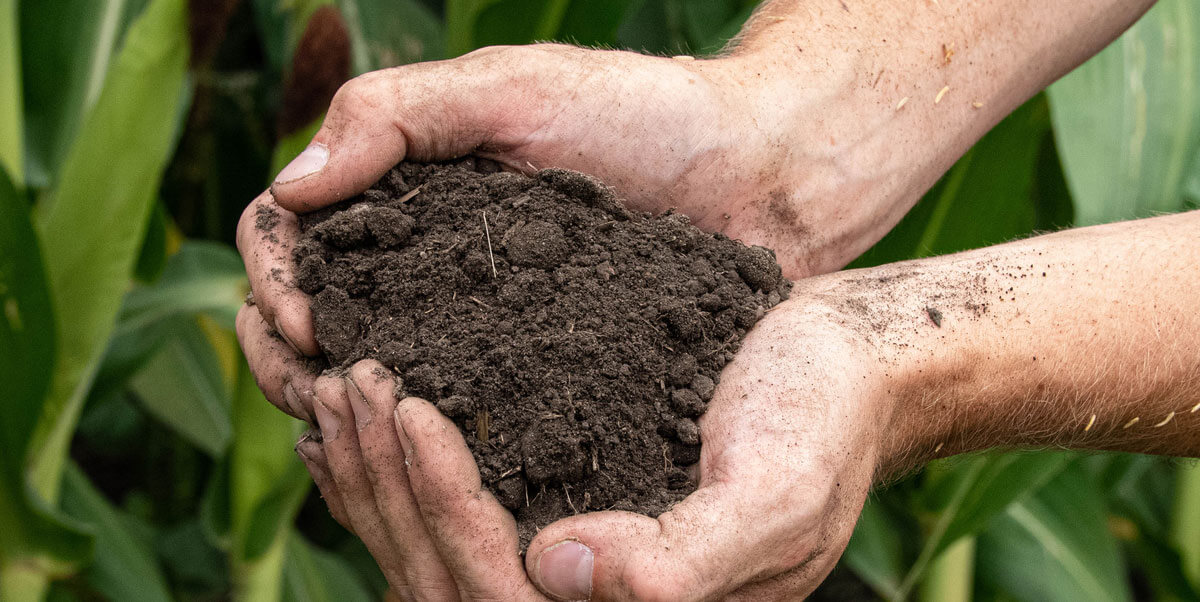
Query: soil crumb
point(573, 342)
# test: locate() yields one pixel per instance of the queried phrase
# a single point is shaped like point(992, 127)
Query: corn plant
point(138, 461)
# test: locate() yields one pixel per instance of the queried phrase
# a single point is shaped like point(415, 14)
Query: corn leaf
point(964, 495)
point(264, 486)
point(181, 386)
point(1055, 545)
point(92, 222)
point(33, 541)
point(314, 575)
point(67, 49)
point(203, 277)
point(386, 33)
point(125, 567)
point(1127, 122)
point(875, 552)
point(11, 130)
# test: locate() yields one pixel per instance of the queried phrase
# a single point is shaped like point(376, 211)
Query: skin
point(799, 140)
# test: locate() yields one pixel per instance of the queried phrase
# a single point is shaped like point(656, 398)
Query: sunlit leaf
point(1128, 121)
point(1054, 546)
point(124, 566)
point(92, 222)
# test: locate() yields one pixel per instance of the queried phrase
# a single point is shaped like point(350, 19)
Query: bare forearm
point(1084, 339)
point(889, 94)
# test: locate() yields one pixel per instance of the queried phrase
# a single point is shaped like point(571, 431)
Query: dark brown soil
point(572, 341)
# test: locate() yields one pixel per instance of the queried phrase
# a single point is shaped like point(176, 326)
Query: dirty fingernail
point(305, 164)
point(362, 410)
point(283, 334)
point(565, 569)
point(402, 435)
point(327, 420)
point(293, 402)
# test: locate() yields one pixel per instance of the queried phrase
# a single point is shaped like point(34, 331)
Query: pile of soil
point(574, 342)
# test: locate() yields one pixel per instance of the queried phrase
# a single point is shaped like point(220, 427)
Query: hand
point(702, 136)
point(790, 448)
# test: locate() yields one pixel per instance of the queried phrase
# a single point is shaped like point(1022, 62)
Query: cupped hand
point(696, 135)
point(790, 444)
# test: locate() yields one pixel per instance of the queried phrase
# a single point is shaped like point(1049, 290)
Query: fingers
point(313, 456)
point(266, 234)
point(336, 421)
point(278, 369)
point(427, 111)
point(371, 389)
point(476, 536)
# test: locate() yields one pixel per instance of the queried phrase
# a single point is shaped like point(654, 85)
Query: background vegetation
point(139, 462)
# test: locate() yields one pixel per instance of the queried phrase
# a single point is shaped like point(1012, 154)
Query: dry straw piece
point(903, 101)
point(941, 94)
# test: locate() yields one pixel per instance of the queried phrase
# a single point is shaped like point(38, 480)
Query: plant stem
point(1185, 523)
point(21, 583)
point(951, 576)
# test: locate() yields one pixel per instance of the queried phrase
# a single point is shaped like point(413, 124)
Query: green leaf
point(1128, 121)
point(386, 33)
point(11, 131)
point(314, 575)
point(152, 258)
point(92, 223)
point(34, 542)
point(1055, 545)
point(1185, 527)
point(125, 567)
point(875, 551)
point(181, 385)
point(518, 21)
point(67, 47)
point(203, 277)
point(26, 328)
point(968, 493)
point(988, 197)
point(460, 24)
point(593, 23)
point(264, 486)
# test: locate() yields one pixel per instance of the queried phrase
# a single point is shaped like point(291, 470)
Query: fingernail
point(305, 164)
point(362, 410)
point(565, 570)
point(327, 420)
point(402, 435)
point(283, 335)
point(293, 402)
point(307, 436)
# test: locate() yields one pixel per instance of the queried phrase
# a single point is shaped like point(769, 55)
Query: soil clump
point(573, 342)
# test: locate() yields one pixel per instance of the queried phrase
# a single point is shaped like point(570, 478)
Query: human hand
point(699, 135)
point(789, 450)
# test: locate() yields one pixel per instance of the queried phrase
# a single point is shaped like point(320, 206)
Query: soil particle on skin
point(573, 342)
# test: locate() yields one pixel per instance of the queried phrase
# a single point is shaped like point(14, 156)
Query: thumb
point(722, 536)
point(428, 111)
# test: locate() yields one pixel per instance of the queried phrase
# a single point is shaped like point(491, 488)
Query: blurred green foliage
point(138, 460)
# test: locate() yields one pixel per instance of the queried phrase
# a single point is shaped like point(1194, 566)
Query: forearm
point(887, 95)
point(1086, 338)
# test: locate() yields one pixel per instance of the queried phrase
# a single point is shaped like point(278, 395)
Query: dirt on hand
point(574, 343)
